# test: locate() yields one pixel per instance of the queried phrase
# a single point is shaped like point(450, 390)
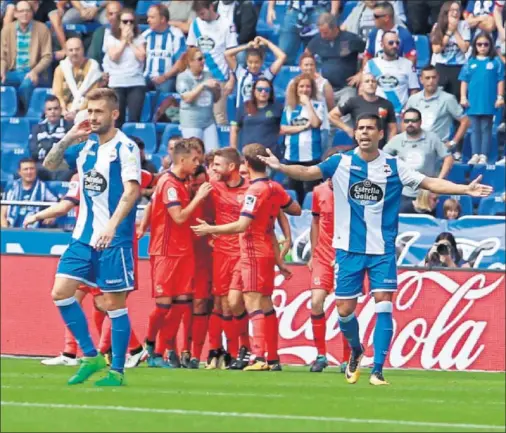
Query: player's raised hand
point(80, 130)
point(105, 238)
point(202, 229)
point(203, 191)
point(272, 161)
point(476, 189)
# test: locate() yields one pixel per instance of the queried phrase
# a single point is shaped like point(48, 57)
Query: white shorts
point(208, 135)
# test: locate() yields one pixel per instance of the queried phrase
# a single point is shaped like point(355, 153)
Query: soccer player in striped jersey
point(262, 203)
point(367, 185)
point(100, 253)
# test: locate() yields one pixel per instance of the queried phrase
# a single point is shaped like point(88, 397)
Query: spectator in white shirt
point(83, 11)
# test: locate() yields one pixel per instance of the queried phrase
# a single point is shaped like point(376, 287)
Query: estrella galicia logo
point(299, 121)
point(206, 44)
point(94, 183)
point(366, 193)
point(388, 82)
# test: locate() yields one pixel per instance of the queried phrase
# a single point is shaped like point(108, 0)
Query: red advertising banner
point(443, 320)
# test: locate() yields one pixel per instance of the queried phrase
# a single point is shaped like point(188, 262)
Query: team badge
point(249, 202)
point(172, 194)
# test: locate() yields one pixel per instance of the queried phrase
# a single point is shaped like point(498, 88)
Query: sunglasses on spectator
point(263, 89)
point(127, 21)
point(411, 120)
point(199, 59)
point(377, 16)
point(482, 44)
point(392, 43)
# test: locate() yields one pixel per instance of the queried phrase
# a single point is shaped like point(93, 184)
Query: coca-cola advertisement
point(443, 319)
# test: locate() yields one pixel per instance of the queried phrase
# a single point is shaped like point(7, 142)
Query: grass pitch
point(36, 398)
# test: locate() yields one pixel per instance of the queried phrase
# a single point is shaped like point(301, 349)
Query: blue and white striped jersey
point(102, 170)
point(213, 38)
point(163, 50)
point(306, 145)
point(367, 198)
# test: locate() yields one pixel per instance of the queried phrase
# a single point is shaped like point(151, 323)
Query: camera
point(441, 248)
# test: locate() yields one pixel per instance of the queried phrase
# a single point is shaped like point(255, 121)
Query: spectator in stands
point(421, 150)
point(338, 52)
point(96, 48)
point(181, 14)
point(425, 203)
point(27, 188)
point(26, 53)
point(246, 76)
point(367, 102)
point(479, 14)
point(422, 14)
point(499, 18)
point(164, 47)
point(199, 91)
point(439, 109)
point(168, 110)
point(86, 11)
point(124, 62)
point(45, 134)
point(482, 91)
point(44, 11)
point(396, 76)
point(300, 124)
point(451, 209)
point(450, 39)
point(361, 19)
point(384, 18)
point(214, 34)
point(445, 253)
point(324, 94)
point(300, 23)
point(74, 78)
point(259, 119)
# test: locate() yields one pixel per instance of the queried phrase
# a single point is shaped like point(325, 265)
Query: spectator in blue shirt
point(482, 91)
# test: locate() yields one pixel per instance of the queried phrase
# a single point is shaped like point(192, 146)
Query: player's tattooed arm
point(54, 159)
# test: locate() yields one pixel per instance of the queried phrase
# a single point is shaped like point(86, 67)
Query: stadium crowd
point(215, 76)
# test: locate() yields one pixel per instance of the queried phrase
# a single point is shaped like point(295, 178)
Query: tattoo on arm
point(54, 158)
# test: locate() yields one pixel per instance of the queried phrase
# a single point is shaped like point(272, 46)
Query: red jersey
point(227, 202)
point(262, 202)
point(167, 237)
point(204, 211)
point(323, 207)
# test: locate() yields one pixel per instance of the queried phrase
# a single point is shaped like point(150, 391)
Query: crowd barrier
point(443, 320)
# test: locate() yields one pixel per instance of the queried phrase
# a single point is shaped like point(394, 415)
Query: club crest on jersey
point(172, 194)
point(387, 170)
point(113, 154)
point(317, 281)
point(249, 202)
point(366, 193)
point(388, 81)
point(94, 183)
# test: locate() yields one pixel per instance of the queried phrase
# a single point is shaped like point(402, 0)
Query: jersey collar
point(260, 179)
point(176, 177)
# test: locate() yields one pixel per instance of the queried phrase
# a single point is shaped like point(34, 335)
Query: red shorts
point(223, 271)
point(203, 281)
point(322, 276)
point(172, 276)
point(258, 274)
point(94, 291)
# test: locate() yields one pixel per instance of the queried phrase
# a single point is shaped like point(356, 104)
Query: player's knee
point(345, 308)
point(317, 302)
point(99, 303)
point(114, 301)
point(253, 301)
point(267, 304)
point(383, 297)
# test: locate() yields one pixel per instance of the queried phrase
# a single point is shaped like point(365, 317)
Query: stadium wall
point(451, 320)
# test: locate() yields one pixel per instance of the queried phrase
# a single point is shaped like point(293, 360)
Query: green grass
point(36, 398)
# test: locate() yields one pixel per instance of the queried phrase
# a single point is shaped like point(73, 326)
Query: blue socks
point(383, 333)
point(349, 328)
point(120, 336)
point(75, 320)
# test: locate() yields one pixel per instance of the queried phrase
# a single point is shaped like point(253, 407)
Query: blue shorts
point(112, 270)
point(350, 271)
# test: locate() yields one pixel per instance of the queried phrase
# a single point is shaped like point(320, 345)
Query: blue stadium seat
point(224, 136)
point(423, 51)
point(146, 114)
point(292, 194)
point(155, 158)
point(308, 201)
point(283, 78)
point(10, 159)
point(88, 27)
point(493, 175)
point(341, 138)
point(492, 205)
point(465, 201)
point(143, 6)
point(459, 173)
point(145, 131)
point(14, 133)
point(8, 101)
point(171, 129)
point(37, 101)
point(498, 117)
point(349, 5)
point(231, 110)
point(58, 188)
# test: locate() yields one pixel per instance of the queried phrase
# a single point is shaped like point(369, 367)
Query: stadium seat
point(14, 133)
point(85, 28)
point(349, 5)
point(58, 188)
point(231, 110)
point(143, 6)
point(465, 201)
point(37, 101)
point(422, 50)
point(145, 131)
point(10, 159)
point(341, 138)
point(146, 114)
point(155, 158)
point(492, 205)
point(292, 194)
point(171, 129)
point(459, 173)
point(8, 101)
point(493, 175)
point(308, 201)
point(284, 76)
point(224, 136)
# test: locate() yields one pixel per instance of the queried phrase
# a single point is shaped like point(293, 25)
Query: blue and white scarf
point(17, 214)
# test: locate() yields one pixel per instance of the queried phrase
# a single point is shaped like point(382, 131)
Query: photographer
point(444, 253)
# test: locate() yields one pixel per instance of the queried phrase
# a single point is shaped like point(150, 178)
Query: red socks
point(232, 334)
point(241, 323)
point(199, 332)
point(156, 319)
point(319, 328)
point(215, 329)
point(186, 320)
point(171, 323)
point(258, 321)
point(271, 335)
point(98, 319)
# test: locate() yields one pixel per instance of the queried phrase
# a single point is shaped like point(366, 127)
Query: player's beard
point(225, 177)
point(103, 128)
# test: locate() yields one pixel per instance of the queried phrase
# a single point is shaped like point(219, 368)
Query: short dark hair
point(24, 161)
point(106, 94)
point(387, 7)
point(162, 10)
point(197, 143)
point(182, 147)
point(492, 52)
point(255, 52)
point(369, 116)
point(251, 153)
point(413, 110)
point(138, 141)
point(388, 32)
point(230, 154)
point(198, 5)
point(51, 98)
point(429, 68)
